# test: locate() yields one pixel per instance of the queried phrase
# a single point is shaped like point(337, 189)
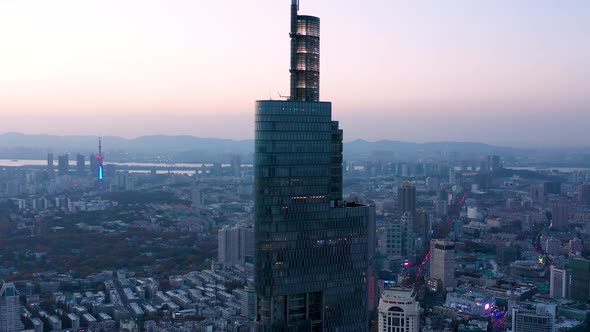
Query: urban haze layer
point(294, 231)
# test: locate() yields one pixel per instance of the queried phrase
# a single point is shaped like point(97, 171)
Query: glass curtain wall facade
point(312, 249)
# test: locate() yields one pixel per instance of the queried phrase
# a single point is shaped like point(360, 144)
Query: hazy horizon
point(497, 72)
point(130, 138)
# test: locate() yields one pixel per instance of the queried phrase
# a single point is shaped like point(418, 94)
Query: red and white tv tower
point(99, 160)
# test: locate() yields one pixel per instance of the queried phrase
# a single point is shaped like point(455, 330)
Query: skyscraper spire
point(305, 56)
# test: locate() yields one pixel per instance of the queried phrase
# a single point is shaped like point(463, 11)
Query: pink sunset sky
point(498, 71)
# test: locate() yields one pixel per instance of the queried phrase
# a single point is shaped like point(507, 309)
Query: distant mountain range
point(143, 144)
point(145, 148)
point(196, 149)
point(399, 149)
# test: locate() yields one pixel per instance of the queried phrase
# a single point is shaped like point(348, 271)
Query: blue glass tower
point(313, 250)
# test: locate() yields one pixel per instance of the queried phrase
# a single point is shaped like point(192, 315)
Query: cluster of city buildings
point(220, 297)
point(503, 251)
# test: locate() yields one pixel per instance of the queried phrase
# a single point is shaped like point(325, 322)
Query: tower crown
point(305, 56)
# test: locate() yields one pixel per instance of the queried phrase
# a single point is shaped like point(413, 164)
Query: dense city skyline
point(494, 72)
point(305, 227)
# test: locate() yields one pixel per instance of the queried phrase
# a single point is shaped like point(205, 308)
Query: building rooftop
point(394, 294)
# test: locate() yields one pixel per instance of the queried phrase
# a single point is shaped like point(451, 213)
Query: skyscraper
point(63, 165)
point(399, 241)
point(494, 163)
point(537, 192)
point(559, 283)
point(313, 250)
point(236, 166)
point(235, 245)
point(80, 165)
point(406, 198)
point(9, 308)
point(197, 196)
point(50, 166)
point(422, 225)
point(110, 170)
point(442, 262)
point(560, 215)
point(584, 194)
point(454, 177)
point(93, 165)
point(408, 237)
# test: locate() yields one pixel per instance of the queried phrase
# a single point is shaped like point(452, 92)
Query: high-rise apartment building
point(198, 197)
point(81, 165)
point(584, 194)
point(109, 171)
point(560, 215)
point(313, 250)
point(390, 244)
point(236, 166)
point(442, 262)
point(399, 311)
point(235, 245)
point(537, 192)
point(408, 237)
point(10, 309)
point(494, 163)
point(50, 165)
point(440, 207)
point(552, 187)
point(123, 181)
point(454, 177)
point(422, 226)
point(406, 198)
point(559, 283)
point(93, 165)
point(63, 165)
point(399, 241)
